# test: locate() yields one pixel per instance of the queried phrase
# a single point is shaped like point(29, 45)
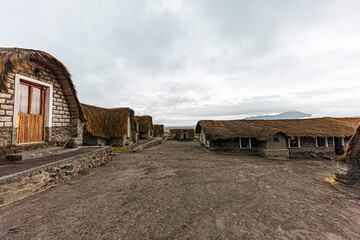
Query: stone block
point(6, 107)
point(5, 95)
point(8, 124)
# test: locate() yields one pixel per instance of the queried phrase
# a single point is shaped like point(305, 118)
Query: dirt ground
point(179, 191)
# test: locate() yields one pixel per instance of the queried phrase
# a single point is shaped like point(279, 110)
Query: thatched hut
point(352, 153)
point(349, 169)
point(182, 134)
point(38, 101)
point(115, 126)
point(279, 138)
point(144, 127)
point(158, 130)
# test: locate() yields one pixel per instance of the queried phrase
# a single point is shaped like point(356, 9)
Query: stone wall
point(15, 187)
point(63, 127)
point(144, 135)
point(229, 145)
point(273, 153)
point(308, 149)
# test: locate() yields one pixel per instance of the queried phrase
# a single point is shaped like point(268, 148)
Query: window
point(294, 143)
point(276, 139)
point(245, 143)
point(24, 98)
point(321, 142)
point(30, 99)
point(36, 101)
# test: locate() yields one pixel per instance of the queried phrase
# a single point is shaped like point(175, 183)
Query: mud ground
point(179, 191)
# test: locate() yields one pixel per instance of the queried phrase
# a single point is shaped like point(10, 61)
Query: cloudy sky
point(184, 60)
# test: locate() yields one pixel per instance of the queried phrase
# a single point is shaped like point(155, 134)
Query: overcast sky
point(183, 61)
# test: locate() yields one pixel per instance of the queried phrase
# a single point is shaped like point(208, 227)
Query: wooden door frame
point(47, 108)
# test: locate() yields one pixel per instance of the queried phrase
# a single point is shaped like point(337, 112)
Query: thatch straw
point(107, 123)
point(10, 58)
point(352, 149)
point(265, 129)
point(178, 133)
point(158, 130)
point(145, 123)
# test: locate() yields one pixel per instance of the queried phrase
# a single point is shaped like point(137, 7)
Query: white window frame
point(241, 147)
point(128, 128)
point(299, 146)
point(202, 137)
point(326, 142)
point(49, 99)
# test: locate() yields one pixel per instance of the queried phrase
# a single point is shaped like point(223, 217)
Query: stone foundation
point(273, 153)
point(17, 186)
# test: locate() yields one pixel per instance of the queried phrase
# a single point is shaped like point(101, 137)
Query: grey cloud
point(202, 59)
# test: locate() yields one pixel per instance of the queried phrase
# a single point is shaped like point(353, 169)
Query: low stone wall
point(273, 153)
point(154, 142)
point(17, 186)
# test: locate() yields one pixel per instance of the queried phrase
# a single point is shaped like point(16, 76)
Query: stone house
point(182, 134)
point(115, 126)
point(144, 127)
point(38, 101)
point(158, 130)
point(325, 137)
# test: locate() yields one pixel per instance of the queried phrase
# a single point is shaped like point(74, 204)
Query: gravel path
point(178, 191)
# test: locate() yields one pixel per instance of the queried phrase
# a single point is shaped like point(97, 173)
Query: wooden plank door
point(31, 116)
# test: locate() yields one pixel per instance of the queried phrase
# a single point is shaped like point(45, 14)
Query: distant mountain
point(284, 115)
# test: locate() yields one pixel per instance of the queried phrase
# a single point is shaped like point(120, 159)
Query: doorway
point(31, 114)
point(185, 136)
point(339, 146)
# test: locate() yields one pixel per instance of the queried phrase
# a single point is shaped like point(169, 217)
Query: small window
point(244, 142)
point(30, 99)
point(276, 139)
point(36, 101)
point(321, 142)
point(24, 98)
point(294, 143)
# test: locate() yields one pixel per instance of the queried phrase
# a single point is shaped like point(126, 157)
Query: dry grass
point(107, 123)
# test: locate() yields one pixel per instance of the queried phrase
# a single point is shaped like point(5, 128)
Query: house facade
point(182, 134)
point(144, 127)
point(38, 101)
point(158, 130)
point(114, 127)
point(325, 137)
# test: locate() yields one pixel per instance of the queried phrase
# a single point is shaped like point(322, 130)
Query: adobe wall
point(272, 149)
point(63, 127)
point(280, 144)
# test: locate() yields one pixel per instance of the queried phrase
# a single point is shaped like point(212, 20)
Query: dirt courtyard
point(179, 191)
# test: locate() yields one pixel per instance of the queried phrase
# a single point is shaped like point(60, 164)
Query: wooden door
point(31, 116)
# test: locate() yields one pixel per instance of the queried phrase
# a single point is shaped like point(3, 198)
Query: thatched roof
point(265, 129)
point(11, 57)
point(352, 148)
point(107, 123)
point(158, 130)
point(178, 132)
point(145, 123)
